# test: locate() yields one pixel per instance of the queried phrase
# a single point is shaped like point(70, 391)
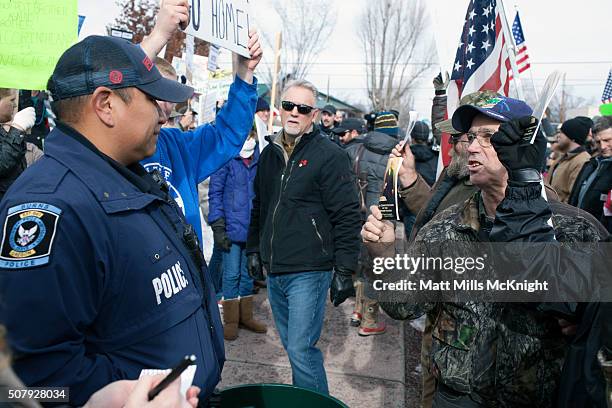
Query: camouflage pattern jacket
point(501, 354)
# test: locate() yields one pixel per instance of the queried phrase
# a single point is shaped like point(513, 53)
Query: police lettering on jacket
point(170, 282)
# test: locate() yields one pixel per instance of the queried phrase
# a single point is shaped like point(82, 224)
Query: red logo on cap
point(115, 77)
point(148, 63)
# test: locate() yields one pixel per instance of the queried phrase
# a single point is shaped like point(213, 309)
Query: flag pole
point(535, 90)
point(277, 57)
point(511, 53)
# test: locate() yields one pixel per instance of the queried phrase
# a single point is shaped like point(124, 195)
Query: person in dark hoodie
point(378, 144)
point(372, 156)
point(426, 159)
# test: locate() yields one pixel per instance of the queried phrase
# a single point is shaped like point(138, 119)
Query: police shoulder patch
point(29, 230)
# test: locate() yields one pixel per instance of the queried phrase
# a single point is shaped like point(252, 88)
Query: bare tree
point(396, 49)
point(305, 26)
point(138, 17)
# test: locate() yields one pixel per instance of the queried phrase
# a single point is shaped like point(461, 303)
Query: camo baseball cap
point(498, 107)
point(446, 126)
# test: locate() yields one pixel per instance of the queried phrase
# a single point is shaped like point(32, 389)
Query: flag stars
point(457, 66)
point(487, 10)
point(470, 62)
point(486, 45)
point(472, 15)
point(470, 47)
point(485, 29)
point(471, 31)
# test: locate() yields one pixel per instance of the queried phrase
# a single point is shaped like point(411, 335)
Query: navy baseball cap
point(349, 124)
point(497, 107)
point(113, 63)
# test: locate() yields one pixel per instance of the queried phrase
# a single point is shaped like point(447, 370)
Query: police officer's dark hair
point(69, 110)
point(602, 123)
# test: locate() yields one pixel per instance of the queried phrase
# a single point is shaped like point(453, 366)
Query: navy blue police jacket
point(96, 281)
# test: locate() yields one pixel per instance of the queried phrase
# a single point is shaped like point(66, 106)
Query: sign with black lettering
point(224, 23)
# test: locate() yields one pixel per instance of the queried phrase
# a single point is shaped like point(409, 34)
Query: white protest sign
point(225, 23)
point(213, 54)
point(262, 132)
point(189, 51)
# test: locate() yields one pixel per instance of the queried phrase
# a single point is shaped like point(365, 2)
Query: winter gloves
point(523, 160)
point(24, 119)
point(219, 234)
point(341, 286)
point(441, 83)
point(254, 267)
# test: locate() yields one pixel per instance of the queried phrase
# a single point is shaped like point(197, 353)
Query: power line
point(431, 63)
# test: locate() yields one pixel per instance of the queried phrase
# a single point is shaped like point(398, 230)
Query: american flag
point(522, 58)
point(606, 97)
point(482, 61)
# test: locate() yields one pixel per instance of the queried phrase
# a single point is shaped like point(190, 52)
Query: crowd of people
point(102, 266)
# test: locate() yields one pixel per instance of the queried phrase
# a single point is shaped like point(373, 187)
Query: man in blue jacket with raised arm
point(185, 159)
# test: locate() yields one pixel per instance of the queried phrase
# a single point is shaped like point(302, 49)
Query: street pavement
point(374, 371)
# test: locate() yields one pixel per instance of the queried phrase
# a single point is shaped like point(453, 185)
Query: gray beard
point(458, 166)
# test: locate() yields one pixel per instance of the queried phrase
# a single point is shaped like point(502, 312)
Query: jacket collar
point(467, 216)
point(573, 153)
point(300, 141)
point(116, 187)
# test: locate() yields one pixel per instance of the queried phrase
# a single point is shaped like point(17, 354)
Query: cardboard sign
point(224, 23)
point(34, 35)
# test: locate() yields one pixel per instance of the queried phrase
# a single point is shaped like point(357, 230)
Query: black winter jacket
point(305, 213)
point(596, 191)
point(373, 161)
point(12, 157)
point(426, 162)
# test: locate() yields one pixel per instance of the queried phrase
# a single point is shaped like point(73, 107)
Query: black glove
point(219, 234)
point(341, 286)
point(254, 267)
point(523, 160)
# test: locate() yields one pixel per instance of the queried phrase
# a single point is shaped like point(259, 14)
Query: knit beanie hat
point(577, 129)
point(262, 105)
point(420, 131)
point(386, 122)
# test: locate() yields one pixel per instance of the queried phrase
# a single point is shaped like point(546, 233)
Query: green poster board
point(606, 110)
point(34, 35)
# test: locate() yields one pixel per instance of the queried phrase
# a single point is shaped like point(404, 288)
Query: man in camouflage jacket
point(492, 354)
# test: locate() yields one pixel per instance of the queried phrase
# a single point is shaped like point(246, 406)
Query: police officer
point(100, 275)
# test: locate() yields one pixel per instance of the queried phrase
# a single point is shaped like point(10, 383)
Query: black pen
point(174, 374)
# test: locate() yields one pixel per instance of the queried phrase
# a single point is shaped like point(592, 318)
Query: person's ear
point(102, 102)
point(315, 112)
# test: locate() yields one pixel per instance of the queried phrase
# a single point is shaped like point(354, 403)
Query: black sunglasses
point(303, 109)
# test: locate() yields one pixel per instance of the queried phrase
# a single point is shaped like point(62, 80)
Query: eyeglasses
point(483, 137)
point(302, 109)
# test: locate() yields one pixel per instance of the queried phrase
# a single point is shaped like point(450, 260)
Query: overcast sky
point(566, 35)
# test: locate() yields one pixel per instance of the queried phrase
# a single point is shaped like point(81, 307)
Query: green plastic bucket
point(276, 396)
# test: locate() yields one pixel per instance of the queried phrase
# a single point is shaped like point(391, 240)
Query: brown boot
point(358, 310)
point(231, 313)
point(246, 316)
point(369, 323)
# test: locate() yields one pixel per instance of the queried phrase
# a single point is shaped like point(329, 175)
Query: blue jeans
point(214, 267)
point(298, 306)
point(236, 279)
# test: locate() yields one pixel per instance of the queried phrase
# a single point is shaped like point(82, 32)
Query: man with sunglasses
point(304, 230)
point(479, 358)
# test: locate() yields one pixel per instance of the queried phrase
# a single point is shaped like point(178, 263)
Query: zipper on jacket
point(314, 224)
point(280, 194)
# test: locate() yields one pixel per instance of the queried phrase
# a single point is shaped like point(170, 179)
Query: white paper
point(186, 376)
